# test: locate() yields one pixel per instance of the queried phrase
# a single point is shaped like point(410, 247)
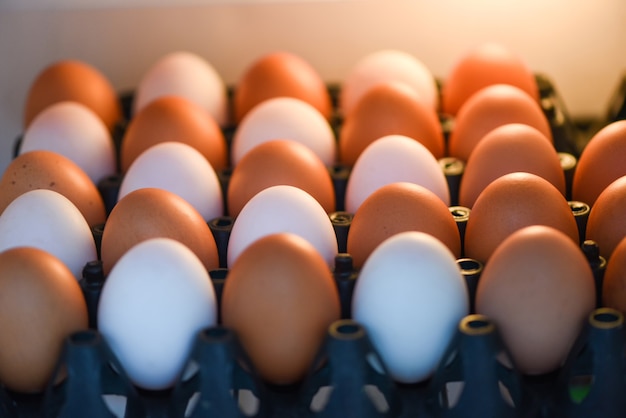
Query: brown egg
point(488, 64)
point(606, 224)
point(152, 213)
point(489, 108)
point(388, 109)
point(76, 81)
point(41, 304)
point(173, 118)
point(512, 202)
point(506, 149)
point(400, 207)
point(602, 160)
point(49, 170)
point(280, 162)
point(539, 289)
point(280, 298)
point(614, 284)
point(280, 74)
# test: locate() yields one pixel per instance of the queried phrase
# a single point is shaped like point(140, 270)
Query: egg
point(395, 208)
point(280, 74)
point(155, 301)
point(605, 223)
point(410, 296)
point(77, 81)
point(280, 162)
point(488, 108)
point(155, 213)
point(538, 288)
point(391, 108)
point(180, 169)
point(173, 118)
point(388, 65)
point(283, 208)
point(512, 202)
point(485, 65)
point(41, 304)
point(614, 281)
point(49, 221)
point(391, 159)
point(188, 75)
point(507, 149)
point(284, 118)
point(602, 160)
point(75, 131)
point(280, 298)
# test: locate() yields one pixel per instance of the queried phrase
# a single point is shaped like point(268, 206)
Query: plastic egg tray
point(346, 384)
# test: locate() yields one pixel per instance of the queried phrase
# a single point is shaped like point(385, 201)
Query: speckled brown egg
point(280, 298)
point(174, 118)
point(512, 202)
point(40, 305)
point(539, 289)
point(606, 224)
point(614, 282)
point(49, 170)
point(77, 81)
point(389, 108)
point(280, 162)
point(395, 208)
point(155, 213)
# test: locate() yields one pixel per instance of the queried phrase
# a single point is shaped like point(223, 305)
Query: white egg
point(180, 169)
point(155, 301)
point(76, 132)
point(285, 118)
point(391, 159)
point(47, 220)
point(410, 296)
point(283, 209)
point(187, 75)
point(389, 65)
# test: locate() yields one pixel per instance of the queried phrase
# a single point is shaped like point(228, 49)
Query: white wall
point(580, 44)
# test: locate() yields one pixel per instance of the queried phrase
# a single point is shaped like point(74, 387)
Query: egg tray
point(344, 380)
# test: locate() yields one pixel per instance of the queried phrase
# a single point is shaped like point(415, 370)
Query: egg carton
point(471, 382)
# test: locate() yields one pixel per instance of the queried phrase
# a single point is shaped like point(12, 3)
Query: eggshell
point(391, 108)
point(606, 222)
point(187, 75)
point(280, 162)
point(153, 304)
point(507, 149)
point(410, 296)
point(277, 74)
point(73, 80)
point(173, 118)
point(395, 208)
point(283, 208)
point(489, 108)
point(614, 282)
point(280, 298)
point(155, 213)
point(391, 159)
point(40, 305)
point(388, 65)
point(539, 289)
point(512, 202)
point(47, 220)
point(602, 160)
point(43, 169)
point(75, 131)
point(284, 118)
point(180, 169)
point(487, 64)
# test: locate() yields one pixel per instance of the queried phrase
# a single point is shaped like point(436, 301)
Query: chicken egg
point(605, 224)
point(391, 108)
point(614, 282)
point(390, 159)
point(280, 298)
point(538, 288)
point(187, 75)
